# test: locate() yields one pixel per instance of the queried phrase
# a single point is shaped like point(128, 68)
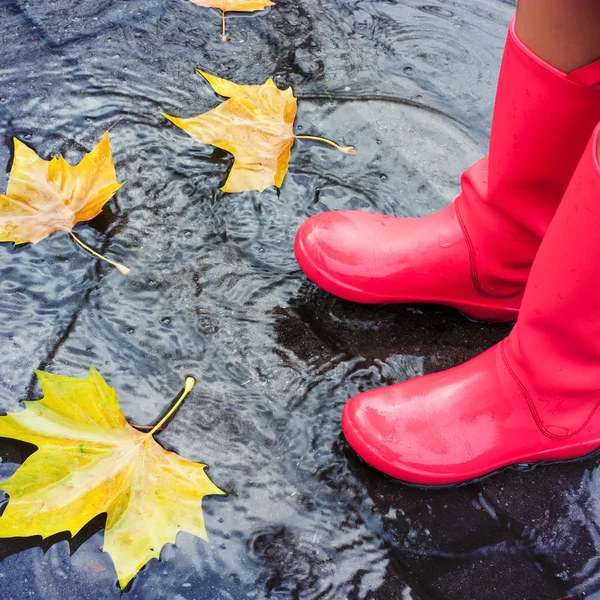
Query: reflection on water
point(215, 292)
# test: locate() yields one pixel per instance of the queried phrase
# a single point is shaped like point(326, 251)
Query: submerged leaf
point(44, 196)
point(233, 5)
point(256, 125)
point(91, 461)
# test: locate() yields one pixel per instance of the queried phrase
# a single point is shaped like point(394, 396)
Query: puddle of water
point(215, 291)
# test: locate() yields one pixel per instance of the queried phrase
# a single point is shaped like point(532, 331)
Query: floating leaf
point(47, 196)
point(256, 125)
point(91, 461)
point(233, 5)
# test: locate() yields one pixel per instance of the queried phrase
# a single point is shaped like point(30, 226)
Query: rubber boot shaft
point(542, 122)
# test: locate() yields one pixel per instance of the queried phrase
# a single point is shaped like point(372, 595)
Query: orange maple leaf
point(256, 125)
point(44, 196)
point(233, 5)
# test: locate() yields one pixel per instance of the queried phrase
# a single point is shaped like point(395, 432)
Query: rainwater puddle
point(215, 292)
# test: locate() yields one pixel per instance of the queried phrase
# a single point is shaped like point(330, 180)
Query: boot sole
point(519, 467)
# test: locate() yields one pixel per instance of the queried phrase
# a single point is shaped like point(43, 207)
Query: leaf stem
point(116, 123)
point(345, 149)
point(223, 34)
point(123, 269)
point(190, 382)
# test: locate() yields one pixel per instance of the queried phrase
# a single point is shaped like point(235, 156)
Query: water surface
point(215, 292)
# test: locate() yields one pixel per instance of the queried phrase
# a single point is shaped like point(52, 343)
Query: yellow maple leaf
point(256, 125)
point(91, 461)
point(44, 196)
point(233, 5)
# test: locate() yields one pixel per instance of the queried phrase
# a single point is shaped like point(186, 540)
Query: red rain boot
point(531, 398)
point(475, 254)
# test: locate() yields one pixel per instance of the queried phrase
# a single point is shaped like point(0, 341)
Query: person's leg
point(564, 33)
point(475, 254)
point(535, 396)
